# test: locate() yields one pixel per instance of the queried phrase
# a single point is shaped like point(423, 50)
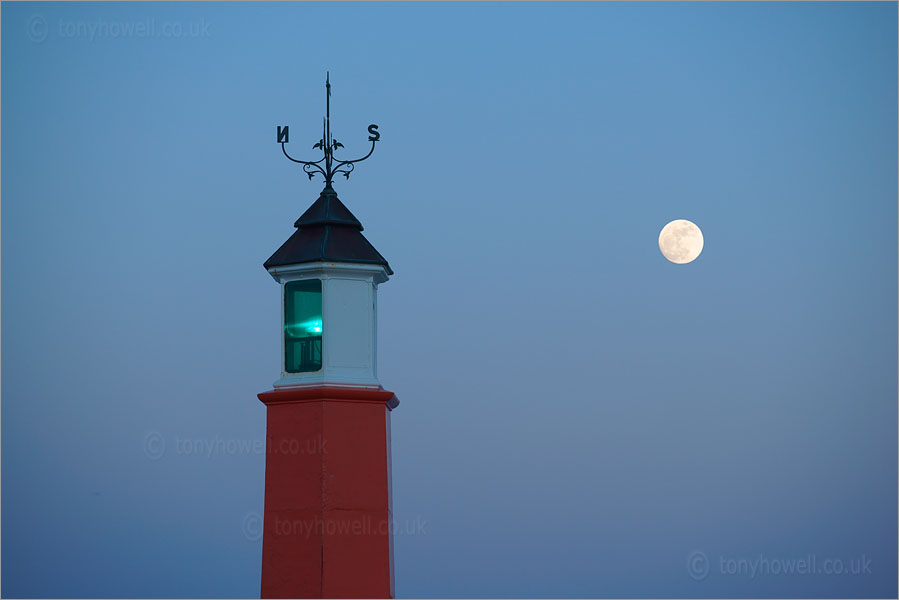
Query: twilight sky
point(579, 416)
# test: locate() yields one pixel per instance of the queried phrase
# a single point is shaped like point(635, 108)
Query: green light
point(309, 328)
point(303, 326)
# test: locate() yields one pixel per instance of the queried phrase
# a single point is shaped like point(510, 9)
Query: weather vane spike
point(328, 165)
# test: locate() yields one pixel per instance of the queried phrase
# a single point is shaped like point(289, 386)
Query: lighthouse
point(328, 525)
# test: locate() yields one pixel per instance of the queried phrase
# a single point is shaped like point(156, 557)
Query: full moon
point(680, 241)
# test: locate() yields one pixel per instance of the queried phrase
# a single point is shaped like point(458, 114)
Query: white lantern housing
point(329, 275)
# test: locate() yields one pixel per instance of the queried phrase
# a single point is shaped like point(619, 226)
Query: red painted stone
point(328, 518)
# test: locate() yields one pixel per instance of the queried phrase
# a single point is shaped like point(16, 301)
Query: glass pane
point(303, 326)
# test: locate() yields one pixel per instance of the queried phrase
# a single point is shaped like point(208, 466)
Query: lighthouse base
point(328, 523)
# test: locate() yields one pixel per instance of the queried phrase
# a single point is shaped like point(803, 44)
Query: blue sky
point(579, 416)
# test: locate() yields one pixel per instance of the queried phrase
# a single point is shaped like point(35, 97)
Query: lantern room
point(329, 275)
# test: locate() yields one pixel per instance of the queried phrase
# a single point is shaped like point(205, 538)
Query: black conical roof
point(327, 231)
point(328, 210)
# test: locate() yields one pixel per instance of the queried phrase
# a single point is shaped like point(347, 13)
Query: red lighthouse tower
point(328, 522)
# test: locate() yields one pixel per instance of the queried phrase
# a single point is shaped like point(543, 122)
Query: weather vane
point(328, 165)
